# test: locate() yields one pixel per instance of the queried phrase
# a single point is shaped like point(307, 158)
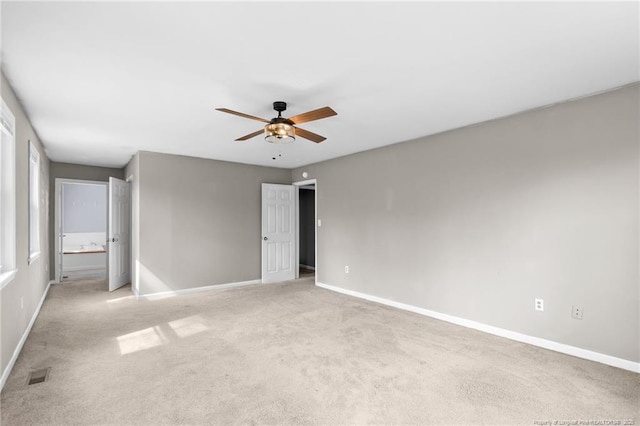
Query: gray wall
point(73, 171)
point(479, 221)
point(199, 221)
point(85, 208)
point(31, 280)
point(307, 227)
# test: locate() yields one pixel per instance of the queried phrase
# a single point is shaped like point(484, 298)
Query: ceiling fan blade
point(309, 135)
point(250, 135)
point(316, 114)
point(228, 111)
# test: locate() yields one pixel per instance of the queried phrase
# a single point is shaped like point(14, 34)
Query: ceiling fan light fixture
point(279, 133)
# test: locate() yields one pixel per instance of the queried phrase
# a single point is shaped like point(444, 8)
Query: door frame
point(57, 224)
point(133, 230)
point(297, 186)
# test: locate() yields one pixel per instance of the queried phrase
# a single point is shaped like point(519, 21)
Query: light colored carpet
point(290, 353)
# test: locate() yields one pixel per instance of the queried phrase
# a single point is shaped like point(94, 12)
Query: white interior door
point(118, 245)
point(278, 233)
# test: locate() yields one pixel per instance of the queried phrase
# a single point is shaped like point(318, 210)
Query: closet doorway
point(306, 228)
point(81, 226)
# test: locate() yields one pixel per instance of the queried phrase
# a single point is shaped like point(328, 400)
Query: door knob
point(265, 238)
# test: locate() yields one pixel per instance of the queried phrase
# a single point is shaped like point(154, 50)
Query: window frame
point(34, 203)
point(8, 268)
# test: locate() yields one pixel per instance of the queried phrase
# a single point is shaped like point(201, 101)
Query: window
point(7, 196)
point(34, 202)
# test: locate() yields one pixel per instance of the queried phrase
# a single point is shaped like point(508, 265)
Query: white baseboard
point(164, 294)
point(519, 337)
point(313, 268)
point(23, 339)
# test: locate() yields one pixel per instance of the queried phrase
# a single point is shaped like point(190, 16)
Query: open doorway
point(81, 221)
point(307, 231)
point(306, 228)
point(92, 222)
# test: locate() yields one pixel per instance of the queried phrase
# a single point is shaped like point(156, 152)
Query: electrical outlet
point(346, 269)
point(46, 267)
point(319, 223)
point(539, 305)
point(21, 302)
point(576, 312)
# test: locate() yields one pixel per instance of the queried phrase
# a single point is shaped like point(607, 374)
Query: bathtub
point(84, 248)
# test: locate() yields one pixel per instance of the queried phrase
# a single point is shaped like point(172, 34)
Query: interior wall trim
point(134, 291)
point(23, 339)
point(512, 335)
point(163, 294)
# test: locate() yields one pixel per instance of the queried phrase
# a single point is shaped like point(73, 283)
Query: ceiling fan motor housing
point(282, 120)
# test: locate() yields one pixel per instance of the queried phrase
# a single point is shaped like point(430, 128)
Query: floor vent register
point(38, 376)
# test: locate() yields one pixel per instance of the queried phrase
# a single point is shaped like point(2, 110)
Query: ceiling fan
point(283, 130)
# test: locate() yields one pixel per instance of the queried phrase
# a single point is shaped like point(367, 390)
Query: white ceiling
point(101, 81)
